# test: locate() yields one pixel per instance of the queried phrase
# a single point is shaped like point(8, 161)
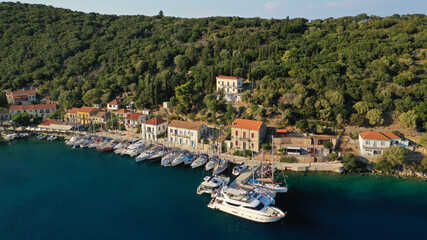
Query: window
point(237, 133)
point(252, 135)
point(252, 145)
point(233, 84)
point(366, 142)
point(185, 133)
point(237, 143)
point(180, 132)
point(192, 134)
point(176, 131)
point(171, 139)
point(244, 135)
point(382, 143)
point(192, 143)
point(186, 141)
point(171, 131)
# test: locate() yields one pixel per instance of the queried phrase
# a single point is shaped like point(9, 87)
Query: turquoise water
point(48, 191)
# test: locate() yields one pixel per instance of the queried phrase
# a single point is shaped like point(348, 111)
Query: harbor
point(59, 191)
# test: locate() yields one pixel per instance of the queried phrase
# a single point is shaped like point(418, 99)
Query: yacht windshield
point(260, 206)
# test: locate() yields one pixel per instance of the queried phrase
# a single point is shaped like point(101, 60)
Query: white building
point(229, 84)
point(185, 133)
point(40, 110)
point(374, 143)
point(114, 105)
point(134, 119)
point(154, 127)
point(24, 97)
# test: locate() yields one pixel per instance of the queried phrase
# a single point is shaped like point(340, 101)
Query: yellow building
point(84, 114)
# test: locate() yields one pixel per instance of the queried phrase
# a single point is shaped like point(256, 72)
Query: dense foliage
point(392, 159)
point(350, 69)
point(352, 164)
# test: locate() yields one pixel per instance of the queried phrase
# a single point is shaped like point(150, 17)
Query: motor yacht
point(237, 170)
point(253, 206)
point(211, 164)
point(211, 183)
point(220, 166)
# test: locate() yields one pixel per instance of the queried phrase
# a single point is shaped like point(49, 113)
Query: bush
point(283, 150)
point(352, 164)
point(289, 159)
point(333, 156)
point(266, 146)
point(392, 159)
point(328, 145)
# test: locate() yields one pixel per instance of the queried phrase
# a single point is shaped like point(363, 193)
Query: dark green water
point(48, 191)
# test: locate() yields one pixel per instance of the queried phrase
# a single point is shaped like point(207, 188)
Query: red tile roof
point(22, 92)
point(133, 116)
point(374, 135)
point(228, 77)
point(73, 110)
point(247, 124)
point(31, 107)
point(48, 121)
point(155, 121)
point(99, 114)
point(114, 102)
point(281, 130)
point(185, 125)
point(123, 111)
point(87, 109)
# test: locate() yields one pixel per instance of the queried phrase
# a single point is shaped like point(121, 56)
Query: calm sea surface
point(48, 191)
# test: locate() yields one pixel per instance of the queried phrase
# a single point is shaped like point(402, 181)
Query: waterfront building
point(185, 133)
point(71, 115)
point(114, 105)
point(134, 120)
point(374, 143)
point(24, 97)
point(297, 144)
point(229, 84)
point(247, 134)
point(121, 113)
point(154, 127)
point(84, 114)
point(99, 117)
point(39, 110)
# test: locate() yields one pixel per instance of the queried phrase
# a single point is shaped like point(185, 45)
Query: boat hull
point(244, 214)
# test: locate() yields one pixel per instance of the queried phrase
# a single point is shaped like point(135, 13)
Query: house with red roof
point(247, 134)
point(23, 97)
point(39, 110)
point(114, 105)
point(230, 85)
point(374, 143)
point(154, 127)
point(134, 120)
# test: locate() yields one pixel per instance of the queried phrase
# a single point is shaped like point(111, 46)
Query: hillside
point(350, 69)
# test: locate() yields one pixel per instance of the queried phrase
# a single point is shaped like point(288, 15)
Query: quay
point(244, 177)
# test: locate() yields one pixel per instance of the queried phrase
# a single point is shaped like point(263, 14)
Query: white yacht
point(267, 184)
point(252, 206)
point(189, 159)
point(158, 155)
point(202, 159)
point(220, 166)
point(145, 155)
point(237, 170)
point(211, 164)
point(133, 149)
point(167, 160)
point(211, 183)
point(72, 140)
point(179, 159)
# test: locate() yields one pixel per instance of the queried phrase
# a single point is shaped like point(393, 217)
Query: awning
point(293, 148)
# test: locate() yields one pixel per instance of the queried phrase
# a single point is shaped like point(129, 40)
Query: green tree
point(3, 99)
point(423, 140)
point(361, 107)
point(328, 145)
point(357, 120)
point(352, 164)
point(92, 96)
point(302, 125)
point(183, 96)
point(21, 119)
point(375, 117)
point(408, 119)
point(392, 158)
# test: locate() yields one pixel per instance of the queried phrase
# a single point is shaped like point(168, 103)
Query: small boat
point(237, 170)
point(189, 159)
point(180, 158)
point(202, 159)
point(275, 187)
point(253, 206)
point(145, 155)
point(211, 164)
point(72, 140)
point(167, 160)
point(134, 149)
point(220, 166)
point(159, 155)
point(211, 183)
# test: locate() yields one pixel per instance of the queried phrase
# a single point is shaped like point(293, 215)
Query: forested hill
point(303, 69)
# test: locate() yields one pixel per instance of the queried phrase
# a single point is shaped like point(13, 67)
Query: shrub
point(289, 159)
point(352, 164)
point(328, 145)
point(333, 156)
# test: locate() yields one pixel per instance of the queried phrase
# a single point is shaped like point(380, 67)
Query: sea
point(49, 191)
